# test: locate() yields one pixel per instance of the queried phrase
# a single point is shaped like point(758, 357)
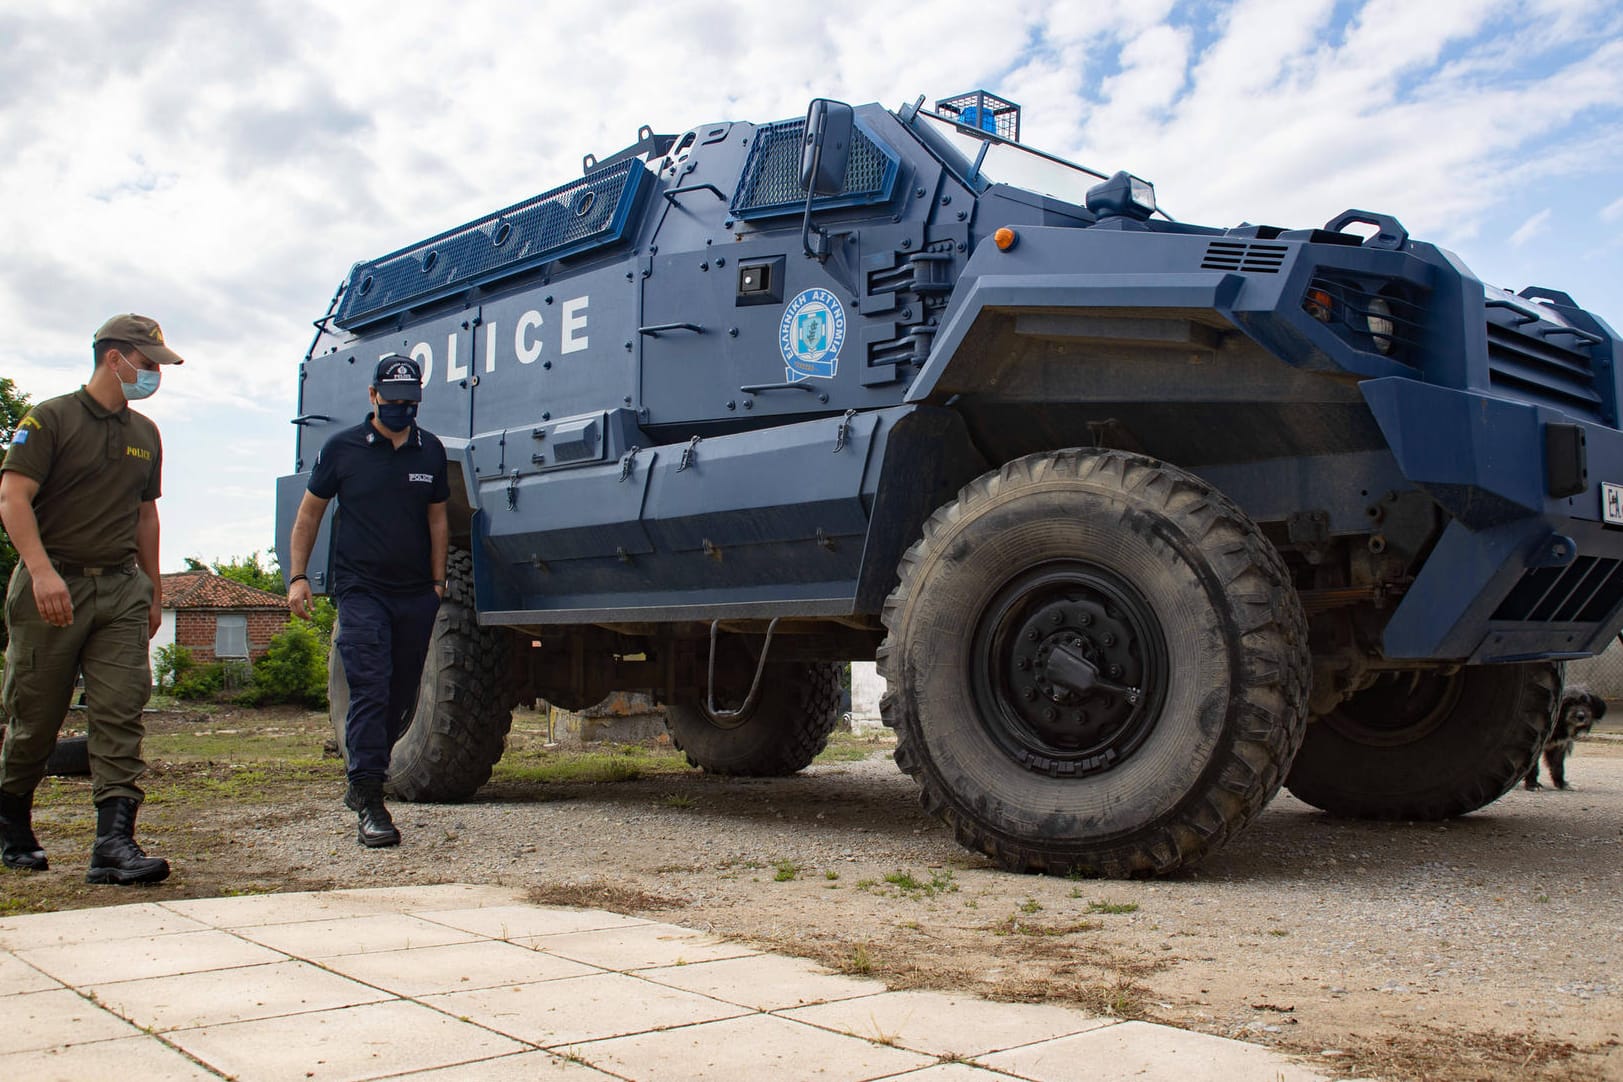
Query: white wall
point(866, 688)
point(163, 637)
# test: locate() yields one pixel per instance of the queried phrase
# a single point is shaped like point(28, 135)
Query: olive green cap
point(142, 333)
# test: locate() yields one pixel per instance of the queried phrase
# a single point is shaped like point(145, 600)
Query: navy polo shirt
point(380, 530)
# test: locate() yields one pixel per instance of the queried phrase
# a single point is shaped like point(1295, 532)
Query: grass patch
point(1013, 925)
point(609, 763)
point(859, 962)
point(853, 748)
point(905, 884)
point(787, 871)
point(1112, 907)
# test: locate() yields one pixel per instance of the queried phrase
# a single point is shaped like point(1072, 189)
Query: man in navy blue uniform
point(389, 548)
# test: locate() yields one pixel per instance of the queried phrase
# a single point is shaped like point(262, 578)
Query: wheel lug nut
point(1050, 713)
point(1115, 672)
point(1030, 693)
point(1023, 664)
point(1031, 636)
point(1085, 619)
point(1108, 639)
point(1055, 618)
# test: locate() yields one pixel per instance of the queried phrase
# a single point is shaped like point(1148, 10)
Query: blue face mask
point(145, 385)
point(397, 416)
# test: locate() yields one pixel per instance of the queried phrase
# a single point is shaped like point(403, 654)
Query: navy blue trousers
point(383, 642)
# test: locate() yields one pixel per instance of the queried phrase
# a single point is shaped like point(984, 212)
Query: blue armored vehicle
point(1141, 519)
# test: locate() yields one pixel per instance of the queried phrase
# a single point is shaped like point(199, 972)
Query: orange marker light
point(1005, 238)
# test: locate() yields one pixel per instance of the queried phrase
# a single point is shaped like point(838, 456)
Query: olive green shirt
point(95, 469)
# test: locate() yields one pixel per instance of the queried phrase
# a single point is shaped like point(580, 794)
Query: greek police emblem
point(811, 334)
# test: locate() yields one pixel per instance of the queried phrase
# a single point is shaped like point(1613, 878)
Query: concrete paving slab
point(457, 967)
point(754, 1047)
point(133, 1059)
point(434, 896)
point(942, 1024)
point(952, 1072)
point(92, 926)
point(766, 982)
point(147, 956)
point(41, 1020)
point(691, 1007)
point(16, 977)
point(189, 1000)
point(641, 947)
point(339, 1046)
point(578, 1009)
point(250, 910)
point(316, 939)
point(518, 921)
point(1140, 1050)
point(523, 1067)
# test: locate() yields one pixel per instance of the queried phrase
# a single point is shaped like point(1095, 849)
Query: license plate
point(1611, 502)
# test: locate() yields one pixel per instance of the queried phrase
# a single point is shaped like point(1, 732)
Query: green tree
point(13, 405)
point(293, 670)
point(249, 570)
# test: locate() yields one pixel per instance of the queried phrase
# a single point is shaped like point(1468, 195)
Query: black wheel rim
point(1025, 649)
point(1398, 708)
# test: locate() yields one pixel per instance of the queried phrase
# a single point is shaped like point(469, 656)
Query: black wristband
point(298, 578)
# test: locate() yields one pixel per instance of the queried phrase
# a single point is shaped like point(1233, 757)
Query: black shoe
point(116, 858)
point(18, 846)
point(375, 829)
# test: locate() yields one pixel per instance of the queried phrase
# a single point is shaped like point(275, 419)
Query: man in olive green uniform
point(78, 497)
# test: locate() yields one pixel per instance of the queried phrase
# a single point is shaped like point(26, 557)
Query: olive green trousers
point(107, 642)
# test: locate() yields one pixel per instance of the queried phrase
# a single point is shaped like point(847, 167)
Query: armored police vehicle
point(1141, 519)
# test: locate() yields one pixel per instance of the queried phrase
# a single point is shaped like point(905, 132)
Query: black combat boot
point(18, 846)
point(376, 828)
point(116, 858)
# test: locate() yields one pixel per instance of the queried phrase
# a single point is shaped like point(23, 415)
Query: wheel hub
point(1070, 670)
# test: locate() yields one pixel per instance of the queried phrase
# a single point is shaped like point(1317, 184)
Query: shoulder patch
point(28, 422)
point(20, 436)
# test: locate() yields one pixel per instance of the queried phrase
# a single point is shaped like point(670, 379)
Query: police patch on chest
point(811, 334)
point(423, 478)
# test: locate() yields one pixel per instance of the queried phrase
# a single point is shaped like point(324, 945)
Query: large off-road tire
point(69, 758)
point(1428, 745)
point(798, 706)
point(1162, 585)
point(464, 704)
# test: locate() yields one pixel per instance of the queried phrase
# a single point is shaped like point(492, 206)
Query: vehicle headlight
point(1142, 193)
point(1378, 317)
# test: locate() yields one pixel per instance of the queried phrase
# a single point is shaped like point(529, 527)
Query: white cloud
point(1613, 211)
point(1531, 228)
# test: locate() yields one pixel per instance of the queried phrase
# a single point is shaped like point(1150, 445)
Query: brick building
point(215, 617)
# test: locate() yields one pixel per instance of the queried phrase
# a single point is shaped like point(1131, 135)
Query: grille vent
point(770, 183)
point(1542, 368)
point(1585, 591)
point(1238, 255)
point(587, 213)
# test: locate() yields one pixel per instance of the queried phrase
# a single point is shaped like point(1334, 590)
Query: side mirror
point(826, 148)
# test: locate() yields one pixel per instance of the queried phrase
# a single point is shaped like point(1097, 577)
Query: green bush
point(293, 670)
point(200, 681)
point(174, 662)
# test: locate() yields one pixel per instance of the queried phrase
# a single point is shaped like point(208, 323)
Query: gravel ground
point(1486, 947)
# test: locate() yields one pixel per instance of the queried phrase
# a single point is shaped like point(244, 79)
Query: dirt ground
point(1483, 948)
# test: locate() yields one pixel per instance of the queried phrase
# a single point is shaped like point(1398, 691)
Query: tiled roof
point(206, 590)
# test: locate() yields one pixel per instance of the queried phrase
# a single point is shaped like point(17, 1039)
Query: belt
point(67, 570)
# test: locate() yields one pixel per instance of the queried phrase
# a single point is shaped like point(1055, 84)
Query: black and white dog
point(1573, 718)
